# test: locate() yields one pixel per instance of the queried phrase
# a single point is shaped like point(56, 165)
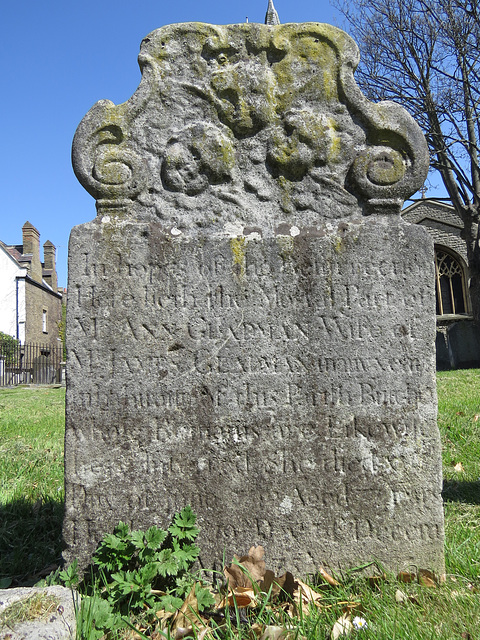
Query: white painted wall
point(9, 271)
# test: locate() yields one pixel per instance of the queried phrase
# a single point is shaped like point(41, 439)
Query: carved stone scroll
point(228, 118)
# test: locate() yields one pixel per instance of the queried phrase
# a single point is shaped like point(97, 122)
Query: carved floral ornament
point(227, 117)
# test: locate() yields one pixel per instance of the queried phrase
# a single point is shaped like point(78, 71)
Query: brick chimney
point(49, 267)
point(31, 247)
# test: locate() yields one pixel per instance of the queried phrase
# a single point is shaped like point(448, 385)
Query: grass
point(31, 510)
point(32, 427)
point(34, 607)
point(459, 424)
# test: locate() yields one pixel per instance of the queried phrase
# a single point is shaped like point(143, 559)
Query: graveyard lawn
point(32, 427)
point(31, 511)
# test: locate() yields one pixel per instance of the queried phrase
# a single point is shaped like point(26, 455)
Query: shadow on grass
point(457, 491)
point(30, 540)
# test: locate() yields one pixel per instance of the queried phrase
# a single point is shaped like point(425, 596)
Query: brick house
point(30, 302)
point(458, 338)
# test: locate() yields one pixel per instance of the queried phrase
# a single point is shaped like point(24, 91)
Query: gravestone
point(250, 323)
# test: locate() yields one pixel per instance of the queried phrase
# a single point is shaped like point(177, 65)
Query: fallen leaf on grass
point(427, 578)
point(257, 629)
point(188, 615)
point(285, 583)
point(402, 598)
point(248, 572)
point(190, 632)
point(272, 633)
point(164, 615)
point(458, 468)
point(375, 581)
point(406, 576)
point(328, 578)
point(303, 596)
point(281, 633)
point(342, 627)
point(306, 593)
point(246, 569)
point(240, 597)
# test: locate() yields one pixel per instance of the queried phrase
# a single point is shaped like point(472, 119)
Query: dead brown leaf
point(280, 633)
point(277, 585)
point(328, 578)
point(286, 584)
point(163, 615)
point(303, 596)
point(196, 632)
point(400, 596)
point(347, 606)
point(375, 581)
point(188, 615)
point(246, 569)
point(427, 578)
point(240, 597)
point(273, 633)
point(268, 581)
point(291, 610)
point(306, 593)
point(406, 576)
point(257, 629)
point(342, 627)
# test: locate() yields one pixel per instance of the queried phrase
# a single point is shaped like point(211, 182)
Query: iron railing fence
point(30, 363)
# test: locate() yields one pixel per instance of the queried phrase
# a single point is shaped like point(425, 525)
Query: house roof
point(14, 253)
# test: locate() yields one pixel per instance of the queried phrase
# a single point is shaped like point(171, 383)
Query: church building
point(458, 339)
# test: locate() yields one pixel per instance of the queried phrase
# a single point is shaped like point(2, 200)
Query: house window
point(451, 292)
point(44, 321)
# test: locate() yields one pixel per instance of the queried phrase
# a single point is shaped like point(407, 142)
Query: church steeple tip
point(271, 17)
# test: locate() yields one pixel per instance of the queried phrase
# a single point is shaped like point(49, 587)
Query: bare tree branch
point(425, 54)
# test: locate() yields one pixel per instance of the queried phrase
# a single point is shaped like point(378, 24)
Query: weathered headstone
point(250, 323)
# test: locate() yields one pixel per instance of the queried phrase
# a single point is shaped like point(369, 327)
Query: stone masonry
point(250, 323)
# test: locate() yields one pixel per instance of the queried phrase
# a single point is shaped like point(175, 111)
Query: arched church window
point(451, 292)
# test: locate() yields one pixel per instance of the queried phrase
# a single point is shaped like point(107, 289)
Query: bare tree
point(425, 54)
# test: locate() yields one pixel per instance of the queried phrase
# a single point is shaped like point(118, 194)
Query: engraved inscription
point(295, 371)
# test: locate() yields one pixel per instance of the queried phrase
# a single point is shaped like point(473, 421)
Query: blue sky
point(57, 60)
